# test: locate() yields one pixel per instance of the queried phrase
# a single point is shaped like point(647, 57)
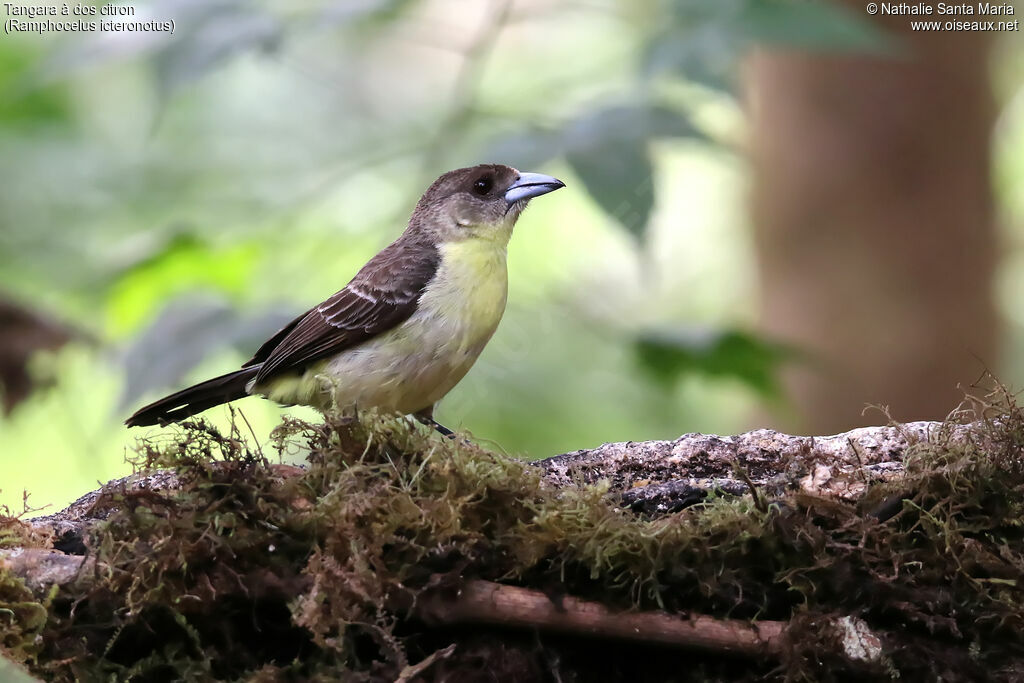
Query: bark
point(659, 476)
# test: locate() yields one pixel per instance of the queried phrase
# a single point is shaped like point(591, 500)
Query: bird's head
point(478, 202)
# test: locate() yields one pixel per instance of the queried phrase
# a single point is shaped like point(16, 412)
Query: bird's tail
point(195, 399)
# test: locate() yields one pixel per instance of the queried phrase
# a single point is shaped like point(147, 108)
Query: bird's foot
point(426, 416)
point(438, 427)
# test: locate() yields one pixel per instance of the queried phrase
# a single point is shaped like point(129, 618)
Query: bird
point(410, 324)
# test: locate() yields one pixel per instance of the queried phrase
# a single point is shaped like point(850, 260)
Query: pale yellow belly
point(413, 366)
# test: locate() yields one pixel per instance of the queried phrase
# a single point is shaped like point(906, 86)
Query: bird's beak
point(530, 185)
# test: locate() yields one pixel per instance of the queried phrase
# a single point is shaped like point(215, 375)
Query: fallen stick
point(484, 602)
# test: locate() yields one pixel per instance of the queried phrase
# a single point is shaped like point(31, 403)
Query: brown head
point(480, 201)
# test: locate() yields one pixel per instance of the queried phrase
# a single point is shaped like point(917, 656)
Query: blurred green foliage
point(667, 355)
point(177, 196)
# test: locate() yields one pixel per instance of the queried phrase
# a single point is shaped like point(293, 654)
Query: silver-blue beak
point(530, 185)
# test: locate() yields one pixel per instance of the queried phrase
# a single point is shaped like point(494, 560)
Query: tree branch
point(484, 602)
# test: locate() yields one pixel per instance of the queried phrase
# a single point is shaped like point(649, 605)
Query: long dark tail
point(195, 399)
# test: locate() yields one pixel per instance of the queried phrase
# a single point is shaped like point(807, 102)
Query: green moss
point(16, 533)
point(22, 619)
point(23, 616)
point(254, 571)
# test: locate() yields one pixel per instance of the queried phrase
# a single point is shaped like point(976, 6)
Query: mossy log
point(372, 560)
point(647, 476)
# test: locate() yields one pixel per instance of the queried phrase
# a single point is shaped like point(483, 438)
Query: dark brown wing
point(268, 346)
point(381, 296)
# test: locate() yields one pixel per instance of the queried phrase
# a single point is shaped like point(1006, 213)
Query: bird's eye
point(483, 185)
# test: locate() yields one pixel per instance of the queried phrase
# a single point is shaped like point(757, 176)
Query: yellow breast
point(414, 365)
point(470, 288)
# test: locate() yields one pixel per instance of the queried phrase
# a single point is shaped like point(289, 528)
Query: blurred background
point(777, 212)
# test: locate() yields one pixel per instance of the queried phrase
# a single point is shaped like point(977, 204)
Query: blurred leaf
point(706, 56)
point(184, 333)
point(608, 150)
point(618, 174)
point(182, 264)
point(817, 25)
point(670, 54)
point(705, 38)
point(178, 340)
point(700, 40)
point(21, 100)
point(668, 355)
point(635, 121)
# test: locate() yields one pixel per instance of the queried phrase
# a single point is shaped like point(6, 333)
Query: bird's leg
point(426, 416)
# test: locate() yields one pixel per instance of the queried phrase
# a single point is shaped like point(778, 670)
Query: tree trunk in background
point(874, 224)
